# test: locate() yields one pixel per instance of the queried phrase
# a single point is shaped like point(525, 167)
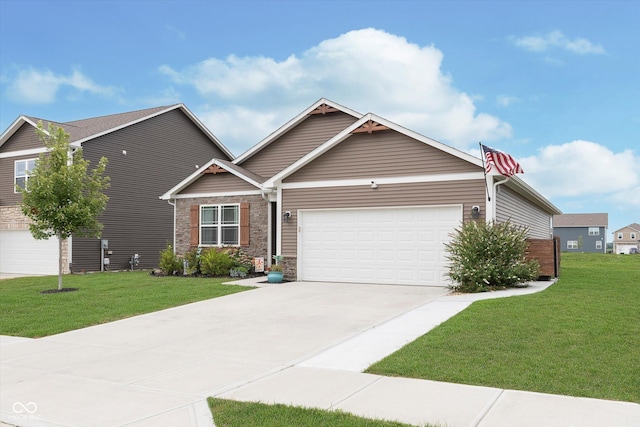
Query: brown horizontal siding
point(468, 193)
point(161, 152)
point(297, 142)
point(218, 183)
point(24, 138)
point(7, 176)
point(510, 206)
point(380, 154)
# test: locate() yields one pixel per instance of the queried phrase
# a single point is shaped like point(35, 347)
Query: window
point(572, 244)
point(619, 236)
point(633, 236)
point(219, 225)
point(21, 172)
point(594, 231)
point(598, 244)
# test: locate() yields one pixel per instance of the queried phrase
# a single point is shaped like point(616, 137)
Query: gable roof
point(581, 220)
point(367, 123)
point(240, 172)
point(321, 106)
point(371, 122)
point(634, 226)
point(84, 130)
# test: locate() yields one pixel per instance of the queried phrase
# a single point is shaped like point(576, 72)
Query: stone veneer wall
point(258, 222)
point(12, 218)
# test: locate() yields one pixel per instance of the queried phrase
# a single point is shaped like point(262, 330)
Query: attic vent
point(370, 127)
point(324, 109)
point(214, 169)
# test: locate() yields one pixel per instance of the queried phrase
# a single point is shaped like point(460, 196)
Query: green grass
point(230, 413)
point(580, 337)
point(100, 298)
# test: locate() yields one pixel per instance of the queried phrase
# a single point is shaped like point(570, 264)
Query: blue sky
point(554, 83)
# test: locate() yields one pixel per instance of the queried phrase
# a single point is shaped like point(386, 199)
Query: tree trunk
point(60, 262)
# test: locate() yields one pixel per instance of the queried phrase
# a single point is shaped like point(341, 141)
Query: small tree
point(60, 197)
point(486, 256)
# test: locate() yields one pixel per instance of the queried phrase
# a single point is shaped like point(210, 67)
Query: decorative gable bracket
point(214, 169)
point(324, 109)
point(370, 127)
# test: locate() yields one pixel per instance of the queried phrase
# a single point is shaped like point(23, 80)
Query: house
point(582, 232)
point(627, 239)
point(148, 151)
point(345, 196)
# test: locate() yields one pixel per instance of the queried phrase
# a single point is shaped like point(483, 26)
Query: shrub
point(487, 256)
point(216, 262)
point(240, 258)
point(170, 263)
point(193, 257)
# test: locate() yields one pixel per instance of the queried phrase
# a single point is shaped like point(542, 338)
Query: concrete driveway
point(296, 343)
point(158, 368)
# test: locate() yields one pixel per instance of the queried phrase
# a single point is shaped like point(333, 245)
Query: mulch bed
point(57, 291)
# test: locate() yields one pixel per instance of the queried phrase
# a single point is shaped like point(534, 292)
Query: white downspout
point(265, 197)
point(279, 221)
point(174, 223)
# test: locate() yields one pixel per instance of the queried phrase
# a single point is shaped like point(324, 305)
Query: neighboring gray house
point(348, 197)
point(627, 239)
point(585, 232)
point(148, 150)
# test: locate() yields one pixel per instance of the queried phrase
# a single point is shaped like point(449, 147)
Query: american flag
point(504, 163)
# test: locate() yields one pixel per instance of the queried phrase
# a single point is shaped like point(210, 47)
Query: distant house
point(349, 197)
point(148, 151)
point(582, 232)
point(627, 239)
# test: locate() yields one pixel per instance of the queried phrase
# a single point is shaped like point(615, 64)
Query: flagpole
point(484, 169)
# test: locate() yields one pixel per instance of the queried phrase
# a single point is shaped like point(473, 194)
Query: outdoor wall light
point(475, 212)
point(285, 216)
point(374, 185)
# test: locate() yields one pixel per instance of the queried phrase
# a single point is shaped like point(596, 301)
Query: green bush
point(170, 263)
point(241, 259)
point(487, 256)
point(193, 257)
point(216, 262)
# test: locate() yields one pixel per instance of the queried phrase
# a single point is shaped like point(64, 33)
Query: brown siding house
point(148, 151)
point(627, 239)
point(350, 197)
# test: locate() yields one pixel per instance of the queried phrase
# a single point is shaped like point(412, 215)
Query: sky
point(554, 83)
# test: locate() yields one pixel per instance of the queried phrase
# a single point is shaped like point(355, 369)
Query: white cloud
point(163, 97)
point(505, 100)
point(368, 70)
point(179, 34)
point(584, 169)
point(237, 124)
point(557, 39)
point(32, 86)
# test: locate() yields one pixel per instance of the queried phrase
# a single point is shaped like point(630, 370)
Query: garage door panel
point(399, 245)
point(20, 253)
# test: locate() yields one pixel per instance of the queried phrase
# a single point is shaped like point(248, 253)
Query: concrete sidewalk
point(294, 343)
point(333, 380)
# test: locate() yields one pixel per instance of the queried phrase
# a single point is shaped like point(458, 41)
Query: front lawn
point(230, 413)
point(100, 298)
point(580, 337)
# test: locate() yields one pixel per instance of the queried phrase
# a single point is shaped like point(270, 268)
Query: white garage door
point(20, 253)
point(403, 246)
